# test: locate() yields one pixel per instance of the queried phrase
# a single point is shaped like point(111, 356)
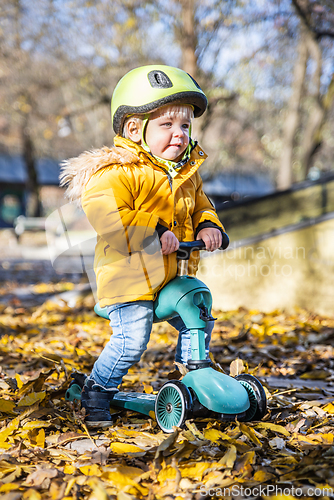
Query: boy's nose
point(178, 132)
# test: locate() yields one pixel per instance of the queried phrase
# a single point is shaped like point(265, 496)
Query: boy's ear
point(133, 131)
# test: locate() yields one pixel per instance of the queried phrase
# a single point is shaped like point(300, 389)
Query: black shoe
point(96, 402)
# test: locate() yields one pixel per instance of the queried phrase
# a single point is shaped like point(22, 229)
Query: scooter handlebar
point(186, 247)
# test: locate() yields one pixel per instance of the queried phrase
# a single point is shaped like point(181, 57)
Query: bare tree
point(284, 178)
point(188, 38)
point(58, 73)
point(306, 123)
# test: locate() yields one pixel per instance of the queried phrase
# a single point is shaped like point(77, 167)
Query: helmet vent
point(159, 80)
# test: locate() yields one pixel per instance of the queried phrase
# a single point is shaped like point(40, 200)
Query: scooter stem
point(197, 339)
point(182, 267)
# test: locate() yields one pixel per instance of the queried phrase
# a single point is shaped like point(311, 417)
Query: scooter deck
point(136, 401)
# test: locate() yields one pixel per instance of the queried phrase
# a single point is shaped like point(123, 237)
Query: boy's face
point(167, 134)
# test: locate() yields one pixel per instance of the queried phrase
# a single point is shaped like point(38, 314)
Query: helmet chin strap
point(143, 132)
point(173, 167)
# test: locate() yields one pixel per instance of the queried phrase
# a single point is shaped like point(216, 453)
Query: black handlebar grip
point(185, 247)
point(226, 242)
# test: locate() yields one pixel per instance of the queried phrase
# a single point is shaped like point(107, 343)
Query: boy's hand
point(212, 238)
point(169, 243)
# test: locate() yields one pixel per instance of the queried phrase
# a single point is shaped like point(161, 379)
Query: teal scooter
point(203, 391)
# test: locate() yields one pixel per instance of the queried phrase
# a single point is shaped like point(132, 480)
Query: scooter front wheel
point(257, 397)
point(172, 405)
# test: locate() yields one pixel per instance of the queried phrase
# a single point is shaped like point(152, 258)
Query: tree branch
point(303, 17)
point(321, 34)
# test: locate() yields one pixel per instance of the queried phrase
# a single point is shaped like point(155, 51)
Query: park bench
point(23, 223)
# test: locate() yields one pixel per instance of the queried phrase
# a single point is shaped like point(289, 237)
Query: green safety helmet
point(144, 89)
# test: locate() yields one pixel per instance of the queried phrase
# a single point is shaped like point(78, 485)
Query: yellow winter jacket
point(125, 193)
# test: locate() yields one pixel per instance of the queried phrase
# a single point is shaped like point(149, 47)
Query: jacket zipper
point(170, 181)
point(169, 177)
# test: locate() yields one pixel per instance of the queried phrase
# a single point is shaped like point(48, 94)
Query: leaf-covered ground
point(47, 452)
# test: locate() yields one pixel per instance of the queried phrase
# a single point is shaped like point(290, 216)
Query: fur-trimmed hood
point(76, 172)
point(125, 195)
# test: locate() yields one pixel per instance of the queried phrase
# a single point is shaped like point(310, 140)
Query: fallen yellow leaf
point(273, 427)
point(70, 484)
point(262, 475)
point(193, 470)
point(124, 477)
point(276, 329)
point(148, 389)
point(35, 424)
point(91, 470)
point(329, 408)
point(316, 375)
point(69, 469)
point(8, 430)
point(215, 435)
point(31, 494)
point(244, 464)
point(99, 491)
point(4, 488)
point(325, 438)
point(120, 448)
point(32, 398)
point(229, 458)
point(18, 381)
point(40, 438)
point(6, 406)
point(249, 432)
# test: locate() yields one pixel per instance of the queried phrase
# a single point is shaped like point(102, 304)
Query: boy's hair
point(170, 111)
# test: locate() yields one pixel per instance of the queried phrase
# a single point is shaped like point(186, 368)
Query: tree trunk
point(34, 202)
point(188, 38)
point(313, 135)
point(316, 110)
point(284, 178)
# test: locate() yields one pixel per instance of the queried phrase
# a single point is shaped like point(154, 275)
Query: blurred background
point(267, 69)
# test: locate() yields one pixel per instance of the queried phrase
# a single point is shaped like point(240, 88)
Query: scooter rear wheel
point(258, 405)
point(172, 405)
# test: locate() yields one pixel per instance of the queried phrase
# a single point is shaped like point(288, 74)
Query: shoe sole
point(99, 423)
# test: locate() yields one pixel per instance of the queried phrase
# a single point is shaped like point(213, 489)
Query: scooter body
point(191, 299)
point(203, 390)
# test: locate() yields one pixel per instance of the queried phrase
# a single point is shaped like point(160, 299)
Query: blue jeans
point(131, 323)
